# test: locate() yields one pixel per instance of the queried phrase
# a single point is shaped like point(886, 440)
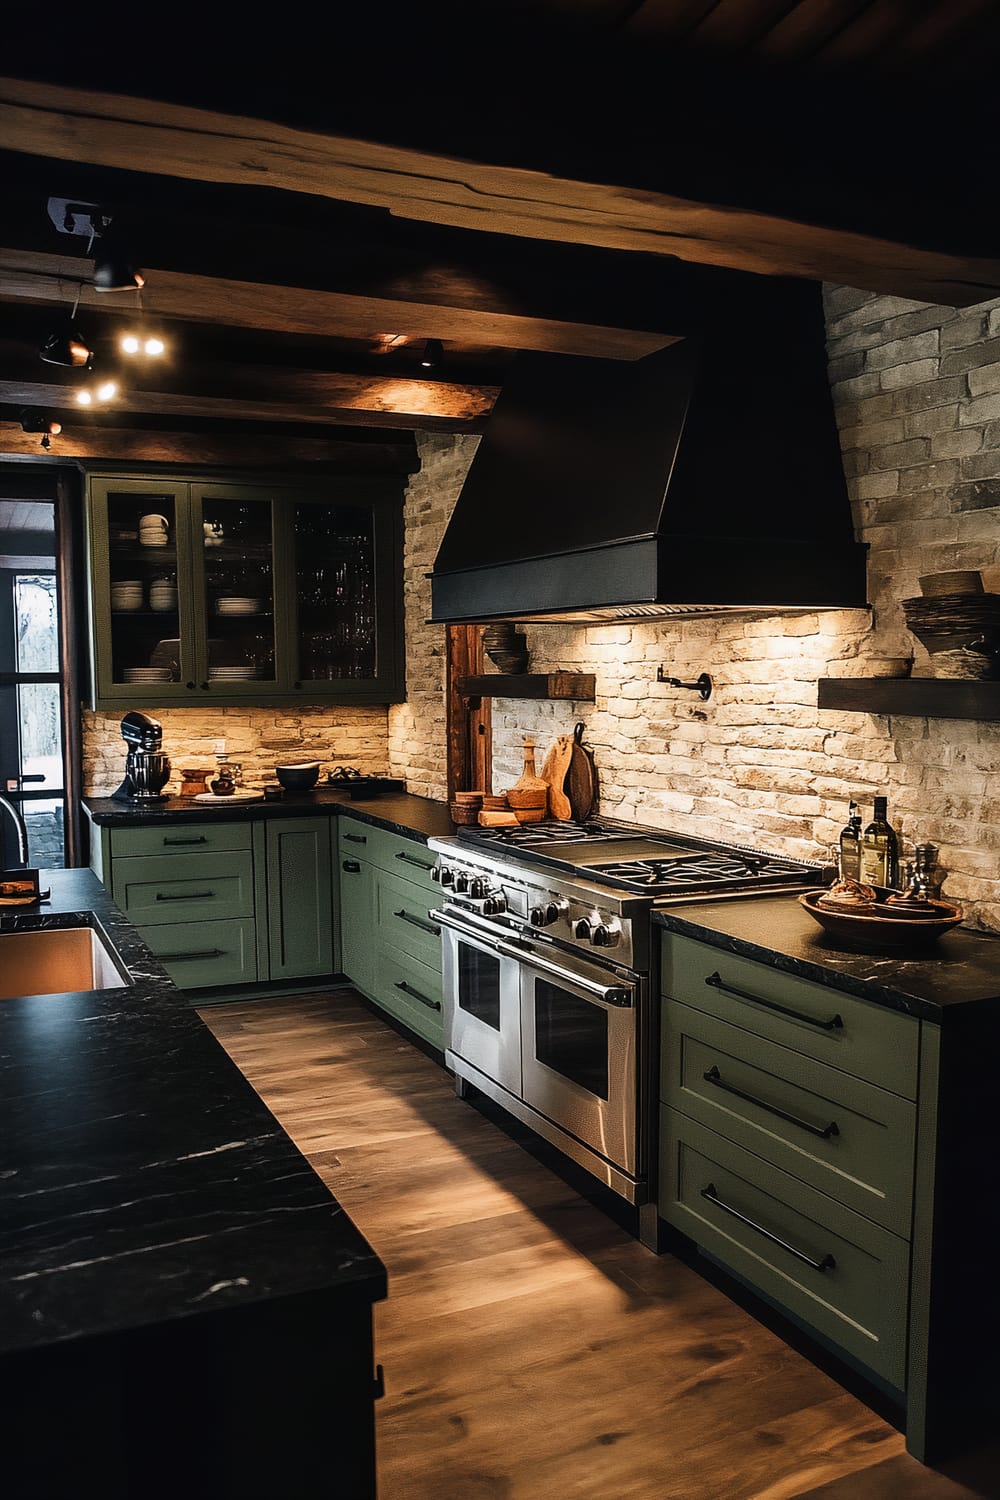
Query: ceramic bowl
point(298, 778)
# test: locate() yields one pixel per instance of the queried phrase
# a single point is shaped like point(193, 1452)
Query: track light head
point(34, 420)
point(114, 272)
point(432, 355)
point(67, 347)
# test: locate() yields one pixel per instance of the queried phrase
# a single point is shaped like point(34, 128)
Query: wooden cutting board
point(581, 778)
point(554, 772)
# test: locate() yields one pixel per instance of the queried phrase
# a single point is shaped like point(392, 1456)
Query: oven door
point(482, 1021)
point(579, 1047)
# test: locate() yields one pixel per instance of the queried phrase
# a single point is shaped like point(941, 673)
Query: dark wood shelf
point(578, 685)
point(923, 697)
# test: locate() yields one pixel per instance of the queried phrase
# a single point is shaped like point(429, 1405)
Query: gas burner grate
point(704, 872)
point(534, 833)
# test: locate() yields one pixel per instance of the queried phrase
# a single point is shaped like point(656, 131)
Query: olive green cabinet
point(239, 904)
point(391, 948)
point(209, 593)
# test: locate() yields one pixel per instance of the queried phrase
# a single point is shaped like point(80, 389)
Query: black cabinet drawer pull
point(201, 839)
point(184, 895)
point(173, 958)
point(418, 922)
point(351, 866)
point(823, 1131)
point(420, 864)
point(833, 1024)
point(356, 838)
point(408, 989)
point(826, 1264)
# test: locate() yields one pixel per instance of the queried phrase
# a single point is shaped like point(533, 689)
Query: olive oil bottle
point(850, 845)
point(880, 849)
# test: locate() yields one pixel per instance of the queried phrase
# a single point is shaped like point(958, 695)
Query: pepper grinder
point(928, 876)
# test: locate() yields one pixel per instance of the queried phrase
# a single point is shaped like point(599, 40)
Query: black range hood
point(703, 478)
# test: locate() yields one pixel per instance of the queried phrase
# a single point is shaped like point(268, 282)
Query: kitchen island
point(184, 1306)
point(828, 1134)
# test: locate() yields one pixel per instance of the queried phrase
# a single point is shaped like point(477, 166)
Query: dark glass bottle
point(850, 845)
point(880, 849)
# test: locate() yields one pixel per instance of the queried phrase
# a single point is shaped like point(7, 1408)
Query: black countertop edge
point(142, 1179)
point(960, 970)
point(412, 817)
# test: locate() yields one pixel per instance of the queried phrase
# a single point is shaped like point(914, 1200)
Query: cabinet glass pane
point(142, 551)
point(335, 588)
point(236, 537)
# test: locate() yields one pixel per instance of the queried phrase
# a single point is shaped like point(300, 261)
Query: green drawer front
point(861, 1038)
point(401, 915)
point(390, 851)
point(858, 1302)
point(196, 954)
point(184, 887)
point(179, 838)
point(843, 1136)
point(410, 991)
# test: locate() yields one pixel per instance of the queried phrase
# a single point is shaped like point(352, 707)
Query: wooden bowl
point(495, 804)
point(473, 799)
point(529, 814)
point(463, 812)
point(879, 930)
point(528, 797)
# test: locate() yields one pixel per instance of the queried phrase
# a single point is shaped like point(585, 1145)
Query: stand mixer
point(147, 769)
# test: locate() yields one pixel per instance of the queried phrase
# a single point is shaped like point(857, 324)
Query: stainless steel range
point(547, 959)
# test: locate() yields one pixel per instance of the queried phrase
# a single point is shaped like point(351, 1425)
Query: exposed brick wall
point(917, 392)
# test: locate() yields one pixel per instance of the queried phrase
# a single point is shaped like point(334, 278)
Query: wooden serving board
point(581, 778)
point(554, 772)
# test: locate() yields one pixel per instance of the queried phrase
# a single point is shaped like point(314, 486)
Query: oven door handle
point(615, 997)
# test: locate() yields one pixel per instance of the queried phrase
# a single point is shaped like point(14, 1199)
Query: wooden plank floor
point(534, 1350)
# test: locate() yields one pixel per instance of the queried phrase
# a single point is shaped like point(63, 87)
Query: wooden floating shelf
point(924, 697)
point(579, 685)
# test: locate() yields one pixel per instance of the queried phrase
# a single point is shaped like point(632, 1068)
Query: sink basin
point(56, 960)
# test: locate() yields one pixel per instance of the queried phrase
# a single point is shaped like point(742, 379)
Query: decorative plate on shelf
point(880, 927)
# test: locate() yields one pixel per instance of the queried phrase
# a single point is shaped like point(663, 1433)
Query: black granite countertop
point(413, 817)
point(142, 1179)
point(961, 969)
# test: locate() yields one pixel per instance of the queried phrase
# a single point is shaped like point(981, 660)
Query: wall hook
point(702, 684)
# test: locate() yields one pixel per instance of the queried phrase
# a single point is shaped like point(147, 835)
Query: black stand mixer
point(147, 769)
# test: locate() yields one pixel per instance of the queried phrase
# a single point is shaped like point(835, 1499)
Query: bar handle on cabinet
point(408, 916)
point(184, 895)
point(824, 1132)
point(835, 1023)
point(173, 958)
point(826, 1264)
point(408, 989)
point(201, 839)
point(356, 838)
point(420, 864)
point(351, 866)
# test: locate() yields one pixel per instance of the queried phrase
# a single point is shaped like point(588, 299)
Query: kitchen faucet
point(21, 830)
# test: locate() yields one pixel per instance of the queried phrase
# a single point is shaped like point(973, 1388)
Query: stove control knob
point(582, 928)
point(436, 872)
point(547, 913)
point(447, 877)
point(494, 905)
point(461, 881)
point(606, 934)
point(478, 888)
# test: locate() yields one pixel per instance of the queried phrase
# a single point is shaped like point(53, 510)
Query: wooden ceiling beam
point(278, 453)
point(37, 277)
point(111, 130)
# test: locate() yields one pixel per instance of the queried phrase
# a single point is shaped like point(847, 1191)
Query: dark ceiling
point(846, 140)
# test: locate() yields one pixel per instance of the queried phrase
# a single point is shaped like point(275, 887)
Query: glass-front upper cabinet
point(243, 593)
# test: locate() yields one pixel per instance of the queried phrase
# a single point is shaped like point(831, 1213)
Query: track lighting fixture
point(114, 272)
point(432, 355)
point(67, 346)
point(33, 420)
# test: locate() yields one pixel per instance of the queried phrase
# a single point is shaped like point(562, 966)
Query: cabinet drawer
point(401, 915)
point(833, 1270)
point(390, 851)
point(411, 991)
point(179, 838)
point(861, 1038)
point(184, 887)
point(841, 1135)
point(195, 954)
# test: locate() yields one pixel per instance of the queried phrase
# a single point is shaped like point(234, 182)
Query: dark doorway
point(40, 768)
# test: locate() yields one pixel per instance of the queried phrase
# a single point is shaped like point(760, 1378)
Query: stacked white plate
point(232, 674)
point(237, 605)
point(148, 674)
point(162, 596)
point(153, 531)
point(127, 595)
